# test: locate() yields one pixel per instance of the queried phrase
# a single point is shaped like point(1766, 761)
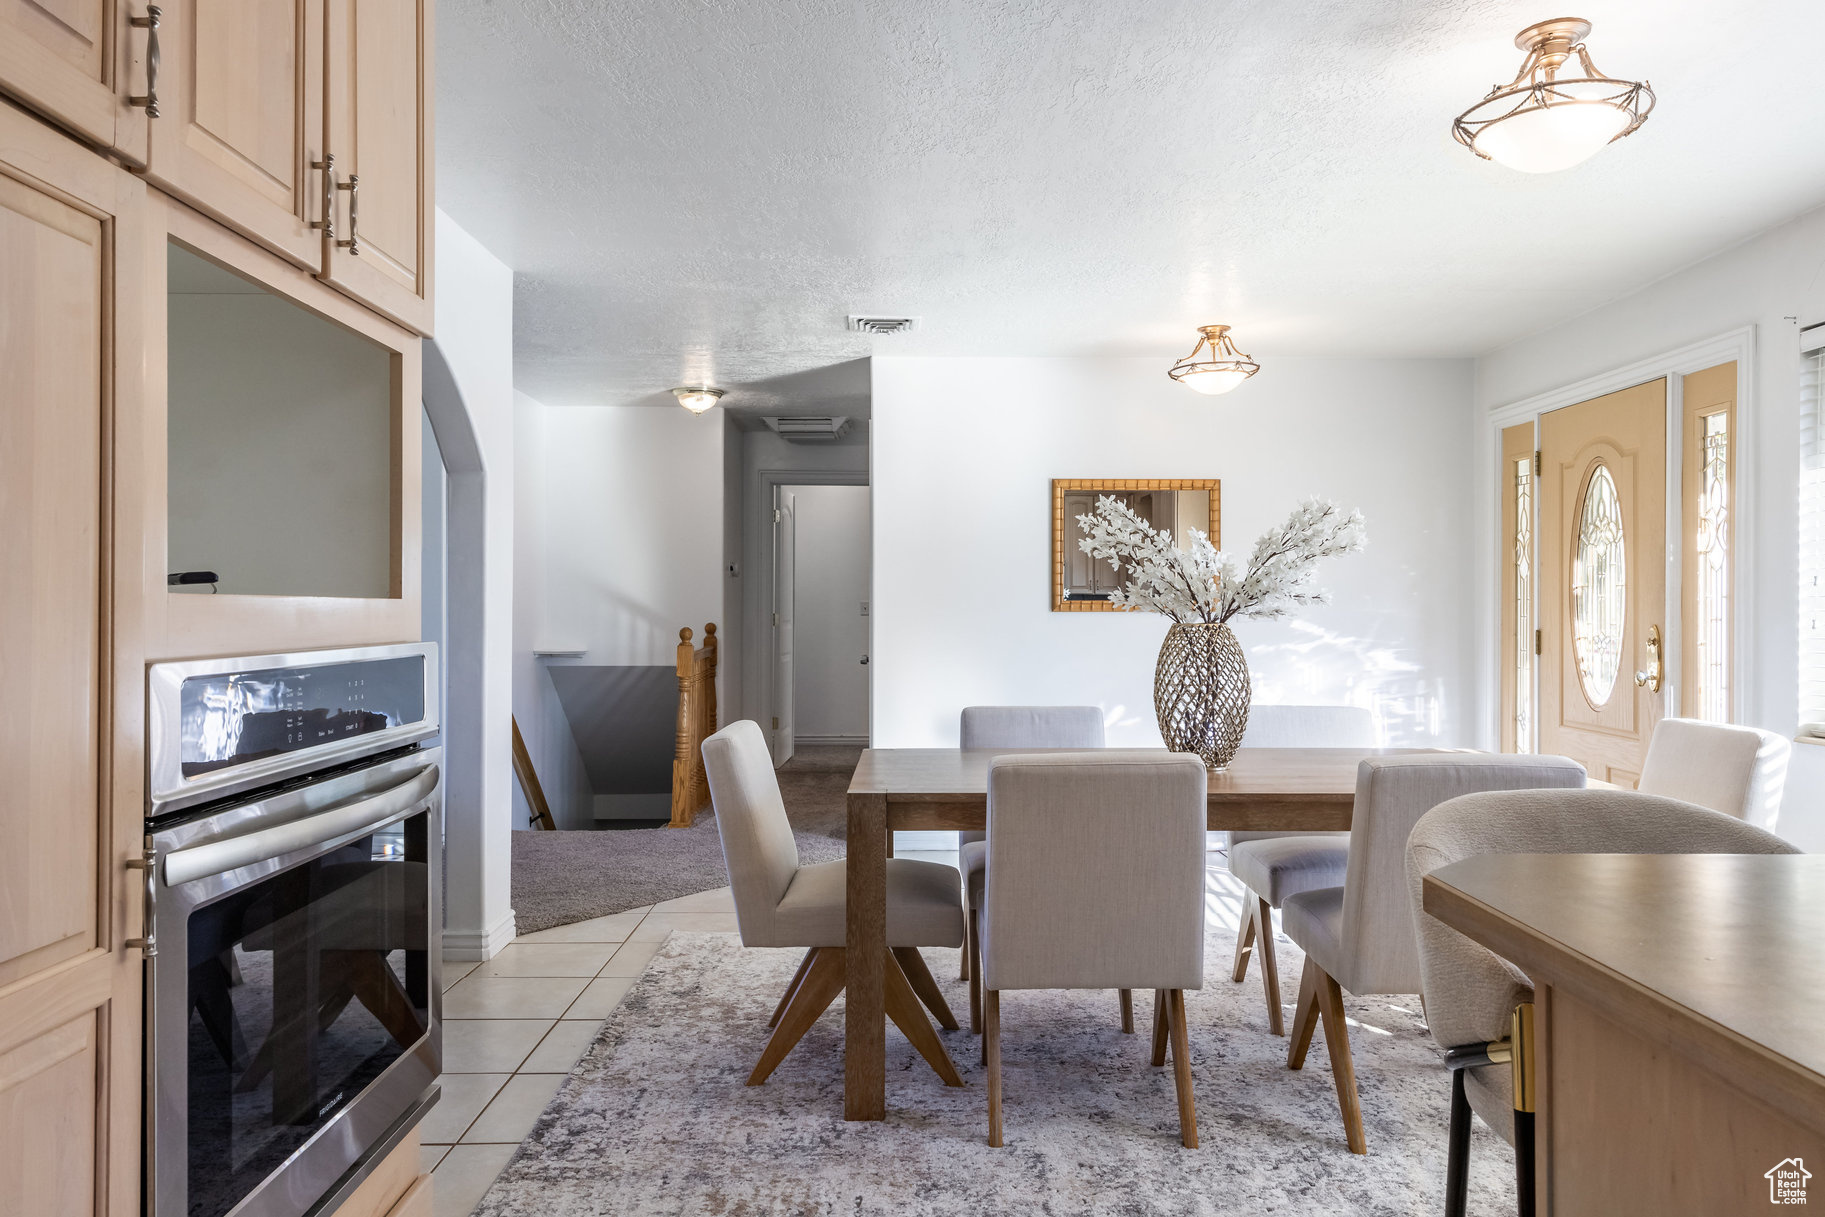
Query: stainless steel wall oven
point(294, 864)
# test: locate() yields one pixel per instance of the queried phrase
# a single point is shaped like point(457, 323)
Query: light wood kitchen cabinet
point(71, 726)
point(82, 64)
point(379, 122)
point(240, 129)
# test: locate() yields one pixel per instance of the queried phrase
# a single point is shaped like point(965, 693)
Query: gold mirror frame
point(1065, 531)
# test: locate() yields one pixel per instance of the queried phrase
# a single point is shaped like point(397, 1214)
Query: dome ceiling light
point(1544, 121)
point(697, 400)
point(1222, 370)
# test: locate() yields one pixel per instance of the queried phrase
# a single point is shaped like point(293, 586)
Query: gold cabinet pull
point(1649, 677)
point(149, 23)
point(353, 186)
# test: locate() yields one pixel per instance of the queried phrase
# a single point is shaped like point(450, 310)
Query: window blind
point(1812, 535)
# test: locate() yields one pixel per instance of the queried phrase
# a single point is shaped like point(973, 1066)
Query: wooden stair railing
point(529, 781)
point(696, 723)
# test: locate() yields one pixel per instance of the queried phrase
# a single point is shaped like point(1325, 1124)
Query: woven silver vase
point(1200, 692)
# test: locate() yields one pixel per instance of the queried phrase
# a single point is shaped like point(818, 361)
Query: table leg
point(865, 934)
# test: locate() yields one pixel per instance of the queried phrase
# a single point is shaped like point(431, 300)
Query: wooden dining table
point(899, 789)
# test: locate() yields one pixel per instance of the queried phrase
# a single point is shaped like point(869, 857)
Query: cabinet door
point(70, 811)
point(241, 122)
point(77, 62)
point(379, 103)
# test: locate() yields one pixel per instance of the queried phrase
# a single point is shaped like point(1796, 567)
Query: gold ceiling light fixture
point(697, 400)
point(1545, 119)
point(1222, 369)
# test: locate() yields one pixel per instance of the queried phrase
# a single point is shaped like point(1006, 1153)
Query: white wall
point(963, 454)
point(474, 327)
point(1772, 282)
point(830, 632)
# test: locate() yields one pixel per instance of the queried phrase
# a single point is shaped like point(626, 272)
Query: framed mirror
point(1081, 584)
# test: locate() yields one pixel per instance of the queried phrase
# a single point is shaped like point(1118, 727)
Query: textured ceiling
point(703, 189)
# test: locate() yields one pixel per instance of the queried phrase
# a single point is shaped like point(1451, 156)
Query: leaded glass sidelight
point(1523, 658)
point(1599, 588)
point(1713, 574)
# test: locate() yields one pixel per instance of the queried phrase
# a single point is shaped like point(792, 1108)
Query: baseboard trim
point(829, 741)
point(470, 946)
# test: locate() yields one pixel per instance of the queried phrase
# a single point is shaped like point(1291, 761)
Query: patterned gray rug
point(655, 1119)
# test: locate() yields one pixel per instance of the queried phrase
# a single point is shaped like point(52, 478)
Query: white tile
point(717, 900)
point(515, 1109)
point(613, 928)
point(549, 959)
point(462, 1178)
point(656, 925)
point(429, 1156)
point(464, 1097)
point(512, 996)
point(563, 1046)
point(454, 972)
point(631, 959)
point(490, 1045)
point(600, 999)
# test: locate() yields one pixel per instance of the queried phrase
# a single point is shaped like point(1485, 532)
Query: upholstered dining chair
point(1010, 729)
point(779, 903)
point(1274, 865)
point(1740, 771)
point(1472, 993)
point(1358, 937)
point(1096, 882)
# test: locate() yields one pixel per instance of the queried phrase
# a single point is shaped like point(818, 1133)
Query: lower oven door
point(292, 1011)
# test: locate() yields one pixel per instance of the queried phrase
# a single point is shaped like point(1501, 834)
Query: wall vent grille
point(809, 428)
point(864, 324)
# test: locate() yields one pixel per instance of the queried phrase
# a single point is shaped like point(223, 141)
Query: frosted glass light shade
point(1553, 137)
point(1213, 381)
point(697, 400)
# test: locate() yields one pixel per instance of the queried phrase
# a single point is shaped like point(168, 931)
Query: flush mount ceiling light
point(1222, 370)
point(1543, 121)
point(697, 400)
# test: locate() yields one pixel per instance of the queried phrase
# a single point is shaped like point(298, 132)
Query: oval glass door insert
point(1599, 589)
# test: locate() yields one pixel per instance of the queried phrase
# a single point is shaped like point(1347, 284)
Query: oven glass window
point(233, 717)
point(303, 988)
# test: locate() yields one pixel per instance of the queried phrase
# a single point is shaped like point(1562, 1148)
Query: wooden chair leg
point(812, 997)
point(974, 949)
point(1127, 996)
point(804, 966)
point(1457, 1154)
point(925, 985)
point(1159, 1028)
point(1181, 1067)
point(1245, 938)
point(991, 1047)
point(1305, 1017)
point(1270, 966)
point(909, 1016)
point(1343, 1070)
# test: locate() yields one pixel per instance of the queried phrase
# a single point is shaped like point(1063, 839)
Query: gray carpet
point(656, 1119)
point(564, 877)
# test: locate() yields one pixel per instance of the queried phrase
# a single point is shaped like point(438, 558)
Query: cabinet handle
point(328, 222)
point(353, 186)
point(149, 23)
point(147, 862)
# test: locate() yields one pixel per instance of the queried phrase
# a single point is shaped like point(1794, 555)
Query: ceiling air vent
point(882, 325)
point(809, 428)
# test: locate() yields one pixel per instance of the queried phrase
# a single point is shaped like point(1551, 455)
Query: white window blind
point(1812, 534)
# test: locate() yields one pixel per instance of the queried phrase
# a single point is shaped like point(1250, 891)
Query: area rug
point(563, 877)
point(656, 1119)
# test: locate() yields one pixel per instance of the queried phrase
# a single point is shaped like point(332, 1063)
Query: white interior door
point(785, 541)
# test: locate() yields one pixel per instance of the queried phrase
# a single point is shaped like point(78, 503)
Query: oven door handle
point(346, 821)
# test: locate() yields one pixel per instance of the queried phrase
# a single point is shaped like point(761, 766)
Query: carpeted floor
point(656, 1119)
point(564, 877)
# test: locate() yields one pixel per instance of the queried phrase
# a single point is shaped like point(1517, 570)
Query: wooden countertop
point(1719, 956)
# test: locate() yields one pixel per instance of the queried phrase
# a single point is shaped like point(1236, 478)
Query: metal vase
point(1201, 693)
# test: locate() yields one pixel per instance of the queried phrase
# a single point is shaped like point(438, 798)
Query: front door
point(1602, 579)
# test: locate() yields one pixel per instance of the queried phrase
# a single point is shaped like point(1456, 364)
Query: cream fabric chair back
point(1470, 991)
point(1379, 953)
point(1030, 727)
point(1096, 871)
point(757, 843)
point(1740, 771)
point(1310, 727)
